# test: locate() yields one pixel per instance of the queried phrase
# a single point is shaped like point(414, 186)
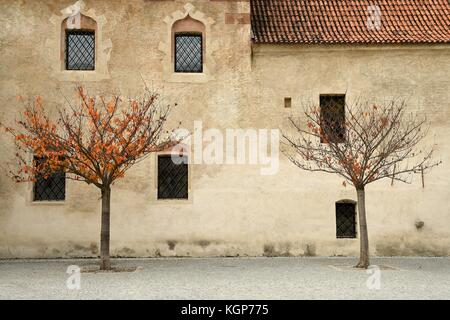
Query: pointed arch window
point(79, 43)
point(188, 45)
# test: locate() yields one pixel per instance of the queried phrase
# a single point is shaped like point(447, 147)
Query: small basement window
point(80, 50)
point(345, 220)
point(172, 178)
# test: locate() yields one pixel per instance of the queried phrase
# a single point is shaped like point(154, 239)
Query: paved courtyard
point(230, 278)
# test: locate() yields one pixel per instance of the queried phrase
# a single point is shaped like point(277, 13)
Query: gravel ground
point(230, 278)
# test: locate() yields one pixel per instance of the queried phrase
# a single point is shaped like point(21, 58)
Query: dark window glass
point(188, 53)
point(332, 118)
point(345, 220)
point(172, 178)
point(80, 50)
point(51, 189)
point(287, 102)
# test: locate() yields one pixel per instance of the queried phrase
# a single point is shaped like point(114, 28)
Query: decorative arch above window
point(78, 49)
point(187, 48)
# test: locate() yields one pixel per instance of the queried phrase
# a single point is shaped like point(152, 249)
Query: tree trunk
point(363, 235)
point(105, 263)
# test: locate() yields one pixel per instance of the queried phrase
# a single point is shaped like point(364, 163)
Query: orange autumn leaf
point(111, 107)
point(90, 142)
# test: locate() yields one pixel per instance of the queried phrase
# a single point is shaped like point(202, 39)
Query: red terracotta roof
point(346, 21)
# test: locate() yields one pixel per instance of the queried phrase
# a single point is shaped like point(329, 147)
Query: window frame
point(185, 34)
point(158, 179)
point(34, 193)
point(341, 136)
point(354, 230)
point(80, 32)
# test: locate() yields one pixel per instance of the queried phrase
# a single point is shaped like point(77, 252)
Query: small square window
point(80, 50)
point(188, 53)
point(345, 220)
point(287, 102)
point(53, 188)
point(332, 118)
point(172, 178)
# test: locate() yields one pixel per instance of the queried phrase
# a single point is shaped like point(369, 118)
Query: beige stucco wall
point(232, 209)
point(418, 74)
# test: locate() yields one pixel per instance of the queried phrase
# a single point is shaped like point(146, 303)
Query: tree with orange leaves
point(95, 141)
point(366, 144)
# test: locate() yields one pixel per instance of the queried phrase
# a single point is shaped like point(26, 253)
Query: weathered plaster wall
point(418, 74)
point(232, 210)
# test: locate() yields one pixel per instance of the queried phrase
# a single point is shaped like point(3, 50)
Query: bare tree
point(363, 144)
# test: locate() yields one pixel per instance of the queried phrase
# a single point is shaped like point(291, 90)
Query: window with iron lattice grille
point(80, 50)
point(332, 118)
point(51, 188)
point(188, 53)
point(345, 220)
point(172, 178)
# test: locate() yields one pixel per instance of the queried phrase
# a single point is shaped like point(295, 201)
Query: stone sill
point(82, 75)
point(188, 77)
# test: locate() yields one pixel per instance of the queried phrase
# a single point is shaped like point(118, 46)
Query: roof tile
point(347, 21)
